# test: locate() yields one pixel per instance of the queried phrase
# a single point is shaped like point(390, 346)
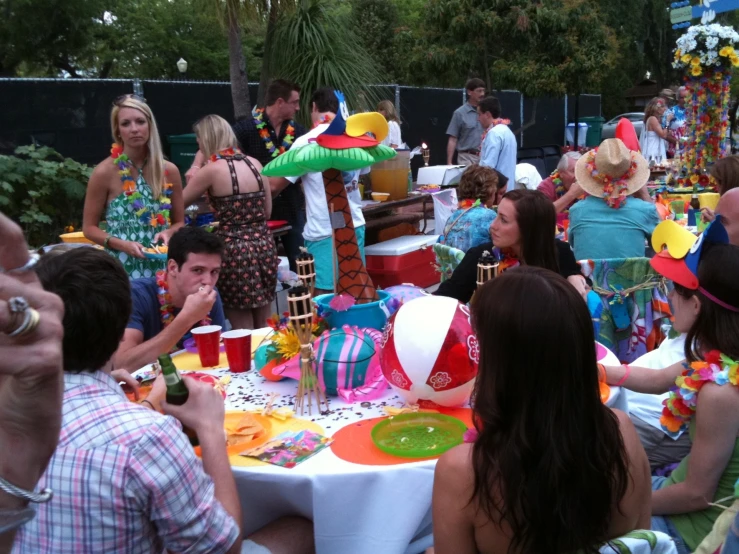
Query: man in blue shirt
point(499, 145)
point(168, 306)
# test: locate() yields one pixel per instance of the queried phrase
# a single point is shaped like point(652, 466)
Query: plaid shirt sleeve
point(169, 482)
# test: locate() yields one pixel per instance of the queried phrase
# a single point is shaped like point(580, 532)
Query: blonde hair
point(652, 107)
point(215, 134)
point(156, 157)
point(389, 109)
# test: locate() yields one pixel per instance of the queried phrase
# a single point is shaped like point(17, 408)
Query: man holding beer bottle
point(168, 306)
point(125, 477)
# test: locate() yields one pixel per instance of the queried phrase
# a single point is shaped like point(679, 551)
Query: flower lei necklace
point(506, 259)
point(619, 185)
point(468, 203)
point(159, 216)
point(166, 308)
point(226, 153)
point(681, 404)
point(258, 115)
point(496, 121)
point(559, 186)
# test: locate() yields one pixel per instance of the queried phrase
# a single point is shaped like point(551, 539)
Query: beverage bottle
point(695, 203)
point(177, 393)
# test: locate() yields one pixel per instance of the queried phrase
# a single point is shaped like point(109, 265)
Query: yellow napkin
point(191, 362)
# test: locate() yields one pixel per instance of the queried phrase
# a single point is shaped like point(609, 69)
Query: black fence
point(73, 116)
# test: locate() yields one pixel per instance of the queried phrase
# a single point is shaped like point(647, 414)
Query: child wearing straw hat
point(618, 216)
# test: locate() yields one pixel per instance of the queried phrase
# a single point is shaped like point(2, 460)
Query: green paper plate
point(419, 435)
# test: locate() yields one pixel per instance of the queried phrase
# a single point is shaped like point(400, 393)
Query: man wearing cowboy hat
point(617, 217)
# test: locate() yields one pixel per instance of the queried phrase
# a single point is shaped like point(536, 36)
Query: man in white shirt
point(499, 145)
point(317, 231)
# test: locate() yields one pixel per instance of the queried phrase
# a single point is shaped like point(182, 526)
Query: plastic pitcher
point(391, 176)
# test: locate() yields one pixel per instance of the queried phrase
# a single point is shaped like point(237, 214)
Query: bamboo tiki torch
point(301, 317)
point(487, 268)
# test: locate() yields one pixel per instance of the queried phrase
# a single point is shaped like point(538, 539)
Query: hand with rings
point(31, 381)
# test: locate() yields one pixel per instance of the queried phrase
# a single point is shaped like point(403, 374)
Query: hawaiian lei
point(258, 115)
point(468, 203)
point(226, 153)
point(506, 259)
point(681, 404)
point(497, 121)
point(133, 196)
point(166, 308)
point(559, 186)
point(611, 184)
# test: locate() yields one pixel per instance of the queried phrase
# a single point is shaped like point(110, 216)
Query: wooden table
point(382, 215)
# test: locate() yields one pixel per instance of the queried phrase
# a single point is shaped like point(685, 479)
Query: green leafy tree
point(375, 23)
point(316, 48)
point(43, 191)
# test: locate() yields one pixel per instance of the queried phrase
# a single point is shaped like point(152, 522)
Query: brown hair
point(716, 328)
point(389, 109)
point(474, 83)
point(478, 182)
point(551, 466)
point(279, 88)
point(726, 173)
point(536, 220)
point(652, 107)
point(491, 105)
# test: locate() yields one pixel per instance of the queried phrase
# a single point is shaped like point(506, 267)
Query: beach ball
point(402, 294)
point(430, 353)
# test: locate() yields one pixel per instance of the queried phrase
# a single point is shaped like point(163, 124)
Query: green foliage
point(375, 22)
point(43, 191)
point(540, 49)
point(315, 47)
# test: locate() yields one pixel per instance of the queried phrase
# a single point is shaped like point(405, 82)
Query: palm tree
point(315, 47)
point(237, 63)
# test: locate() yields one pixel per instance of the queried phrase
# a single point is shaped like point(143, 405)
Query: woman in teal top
point(479, 189)
point(705, 388)
point(140, 192)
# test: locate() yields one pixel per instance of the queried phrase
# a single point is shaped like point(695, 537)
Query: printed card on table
point(289, 448)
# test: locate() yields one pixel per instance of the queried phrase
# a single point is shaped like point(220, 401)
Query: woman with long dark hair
point(522, 234)
point(552, 469)
point(704, 392)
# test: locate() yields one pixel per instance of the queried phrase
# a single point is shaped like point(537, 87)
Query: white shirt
point(318, 219)
point(393, 135)
point(499, 152)
point(648, 407)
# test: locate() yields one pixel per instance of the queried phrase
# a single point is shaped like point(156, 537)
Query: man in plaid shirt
point(125, 478)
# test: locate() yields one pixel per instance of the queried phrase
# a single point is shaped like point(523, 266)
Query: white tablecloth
point(356, 509)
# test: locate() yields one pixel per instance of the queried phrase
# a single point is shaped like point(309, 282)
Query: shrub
point(43, 191)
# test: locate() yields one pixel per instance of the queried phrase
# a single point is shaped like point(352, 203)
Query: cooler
point(408, 259)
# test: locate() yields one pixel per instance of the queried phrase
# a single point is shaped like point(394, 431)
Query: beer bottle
point(177, 393)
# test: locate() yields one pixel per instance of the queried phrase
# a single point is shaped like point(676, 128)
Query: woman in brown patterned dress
point(241, 198)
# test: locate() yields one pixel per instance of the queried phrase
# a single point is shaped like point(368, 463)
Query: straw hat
point(612, 162)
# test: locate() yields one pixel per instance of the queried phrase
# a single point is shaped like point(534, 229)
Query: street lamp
point(182, 67)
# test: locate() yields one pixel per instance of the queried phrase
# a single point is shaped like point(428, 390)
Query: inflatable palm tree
point(345, 146)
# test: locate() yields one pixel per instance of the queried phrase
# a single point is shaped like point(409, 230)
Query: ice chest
point(408, 259)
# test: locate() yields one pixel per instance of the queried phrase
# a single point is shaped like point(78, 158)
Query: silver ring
point(33, 258)
point(31, 319)
point(17, 305)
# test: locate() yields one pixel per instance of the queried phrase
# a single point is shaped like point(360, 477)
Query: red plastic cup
point(238, 349)
point(207, 340)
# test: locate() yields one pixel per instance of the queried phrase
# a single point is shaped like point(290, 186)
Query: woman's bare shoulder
point(455, 465)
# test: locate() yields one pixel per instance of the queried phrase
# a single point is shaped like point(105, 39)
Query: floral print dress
point(123, 223)
point(249, 270)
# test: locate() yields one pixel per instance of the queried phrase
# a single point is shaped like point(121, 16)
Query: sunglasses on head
point(122, 98)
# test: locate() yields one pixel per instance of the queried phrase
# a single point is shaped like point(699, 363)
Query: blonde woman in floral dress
point(138, 191)
point(242, 200)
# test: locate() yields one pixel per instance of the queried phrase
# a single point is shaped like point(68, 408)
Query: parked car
point(637, 118)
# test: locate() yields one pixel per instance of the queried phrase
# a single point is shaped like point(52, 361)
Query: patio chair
point(634, 305)
point(447, 260)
